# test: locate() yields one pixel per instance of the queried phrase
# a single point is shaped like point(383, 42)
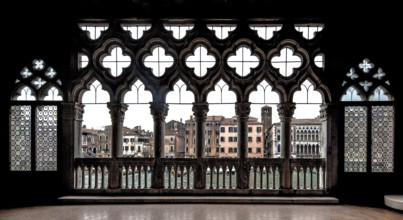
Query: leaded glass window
point(355, 139)
point(369, 115)
point(20, 138)
point(383, 138)
point(34, 119)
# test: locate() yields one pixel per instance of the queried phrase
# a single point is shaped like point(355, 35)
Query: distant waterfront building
point(174, 140)
point(89, 142)
point(306, 140)
point(221, 136)
point(211, 136)
point(97, 142)
point(229, 138)
point(137, 142)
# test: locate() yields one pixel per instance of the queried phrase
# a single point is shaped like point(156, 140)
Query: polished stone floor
point(199, 211)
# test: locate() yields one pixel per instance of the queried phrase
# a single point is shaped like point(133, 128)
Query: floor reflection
point(198, 212)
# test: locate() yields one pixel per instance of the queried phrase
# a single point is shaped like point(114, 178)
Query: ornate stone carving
point(242, 109)
point(286, 111)
point(117, 111)
point(200, 110)
point(323, 110)
point(78, 111)
point(159, 110)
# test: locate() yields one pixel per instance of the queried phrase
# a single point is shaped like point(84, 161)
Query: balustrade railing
point(91, 173)
point(308, 174)
point(178, 173)
point(219, 173)
point(264, 173)
point(135, 173)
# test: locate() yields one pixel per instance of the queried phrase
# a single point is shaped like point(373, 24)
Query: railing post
point(242, 110)
point(200, 112)
point(159, 111)
point(117, 112)
point(286, 111)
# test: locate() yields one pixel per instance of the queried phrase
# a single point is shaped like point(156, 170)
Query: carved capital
point(200, 110)
point(286, 111)
point(323, 110)
point(78, 111)
point(242, 109)
point(159, 110)
point(117, 111)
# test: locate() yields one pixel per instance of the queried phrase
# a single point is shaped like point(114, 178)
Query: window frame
point(34, 104)
point(369, 147)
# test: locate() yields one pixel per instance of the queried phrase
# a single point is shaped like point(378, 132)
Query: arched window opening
point(307, 114)
point(222, 115)
point(265, 115)
point(179, 123)
point(138, 125)
point(96, 122)
point(369, 116)
point(34, 117)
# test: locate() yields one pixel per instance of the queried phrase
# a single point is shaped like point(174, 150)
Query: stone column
point(78, 128)
point(323, 132)
point(159, 111)
point(117, 112)
point(286, 111)
point(200, 112)
point(330, 115)
point(72, 117)
point(242, 110)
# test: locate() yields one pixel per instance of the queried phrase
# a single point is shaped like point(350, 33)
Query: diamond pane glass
point(382, 138)
point(46, 138)
point(20, 138)
point(355, 139)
